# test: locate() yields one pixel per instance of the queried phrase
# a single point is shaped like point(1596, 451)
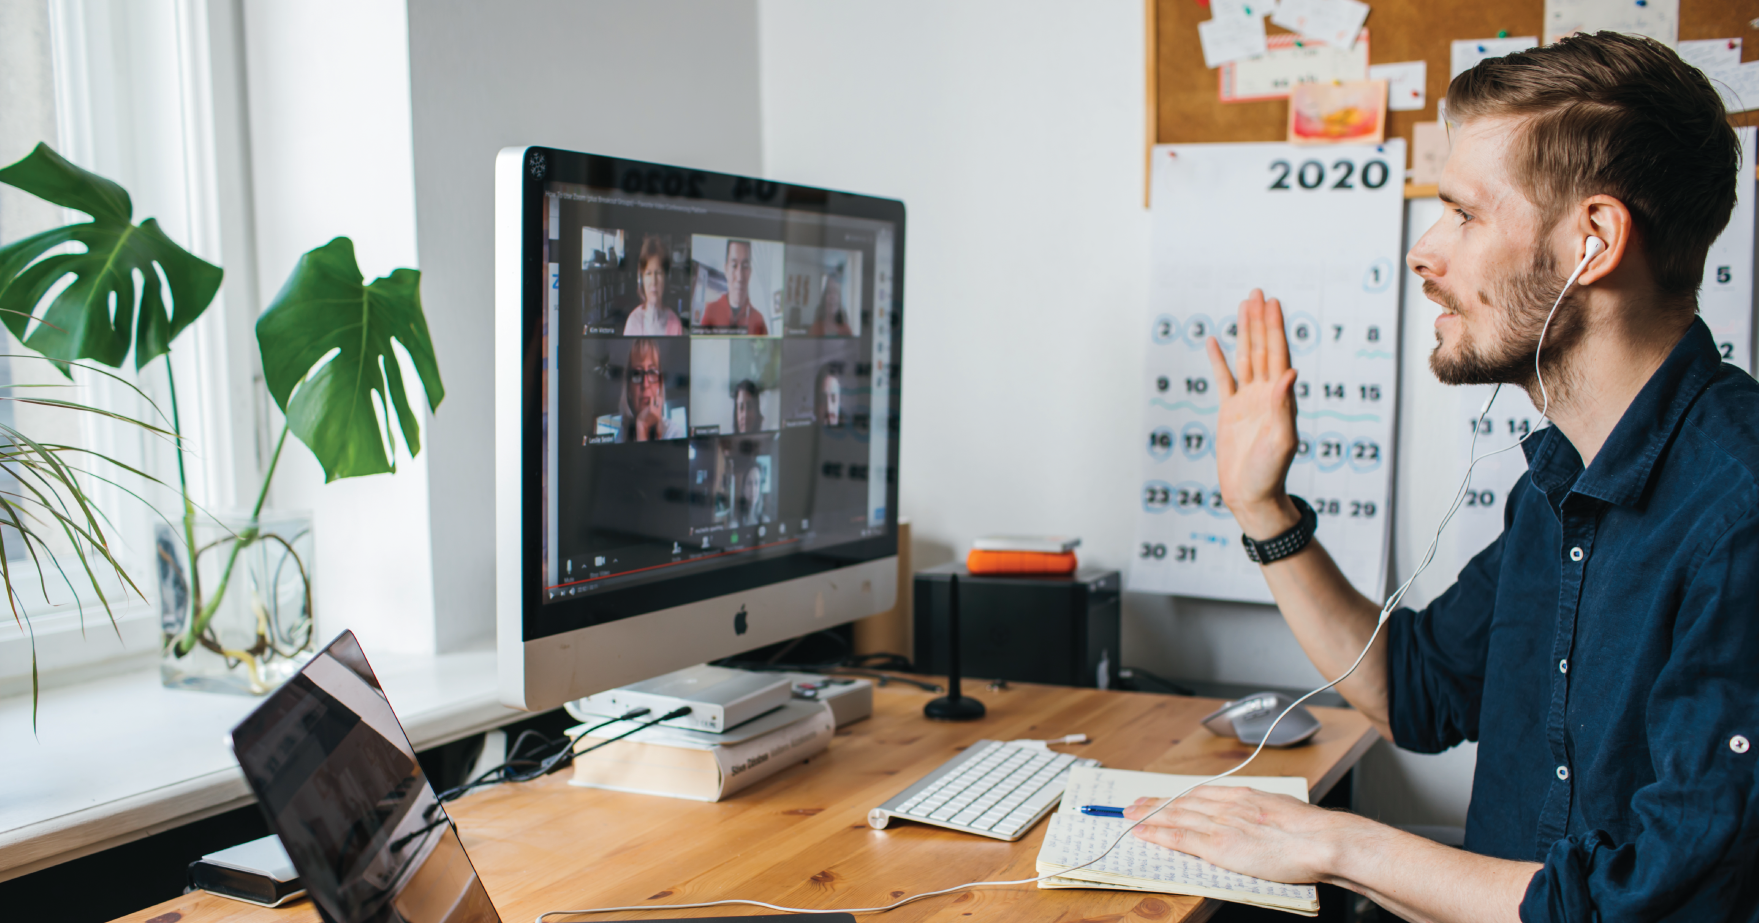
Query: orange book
point(1019, 562)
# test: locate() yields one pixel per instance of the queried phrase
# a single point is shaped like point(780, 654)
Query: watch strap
point(1288, 543)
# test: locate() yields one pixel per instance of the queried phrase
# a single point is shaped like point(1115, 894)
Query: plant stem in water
point(206, 613)
point(187, 642)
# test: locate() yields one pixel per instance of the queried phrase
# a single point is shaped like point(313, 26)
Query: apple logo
point(739, 622)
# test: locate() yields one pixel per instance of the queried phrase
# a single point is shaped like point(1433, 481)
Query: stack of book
point(1073, 839)
point(699, 765)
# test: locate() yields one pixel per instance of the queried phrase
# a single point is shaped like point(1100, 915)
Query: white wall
point(1013, 132)
point(672, 81)
point(329, 125)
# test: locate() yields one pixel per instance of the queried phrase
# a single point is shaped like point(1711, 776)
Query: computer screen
point(710, 371)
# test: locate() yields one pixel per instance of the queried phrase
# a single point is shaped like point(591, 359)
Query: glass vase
point(249, 597)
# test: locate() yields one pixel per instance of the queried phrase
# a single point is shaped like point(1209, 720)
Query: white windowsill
point(122, 757)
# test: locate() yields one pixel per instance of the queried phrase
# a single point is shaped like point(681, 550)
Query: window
point(122, 88)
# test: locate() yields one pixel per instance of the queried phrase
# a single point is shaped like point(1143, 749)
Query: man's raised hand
point(1255, 426)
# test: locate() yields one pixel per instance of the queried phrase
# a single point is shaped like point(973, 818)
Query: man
point(747, 414)
point(734, 310)
point(827, 395)
point(1604, 651)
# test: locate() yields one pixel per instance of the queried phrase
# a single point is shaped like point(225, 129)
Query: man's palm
point(1255, 426)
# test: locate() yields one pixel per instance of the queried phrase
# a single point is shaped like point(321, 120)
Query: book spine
point(745, 764)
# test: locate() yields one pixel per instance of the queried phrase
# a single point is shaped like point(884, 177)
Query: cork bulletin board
point(1182, 94)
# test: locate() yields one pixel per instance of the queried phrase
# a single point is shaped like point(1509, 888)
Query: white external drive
point(719, 697)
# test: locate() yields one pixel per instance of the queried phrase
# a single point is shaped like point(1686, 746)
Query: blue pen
point(1100, 810)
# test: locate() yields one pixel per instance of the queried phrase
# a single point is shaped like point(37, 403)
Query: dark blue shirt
point(1604, 652)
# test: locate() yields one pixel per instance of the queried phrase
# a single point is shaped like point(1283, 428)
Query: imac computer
point(696, 416)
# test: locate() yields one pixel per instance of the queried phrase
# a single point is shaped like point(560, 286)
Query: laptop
point(339, 783)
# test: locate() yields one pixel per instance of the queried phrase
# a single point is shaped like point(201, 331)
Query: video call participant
point(747, 415)
point(830, 321)
point(653, 318)
point(643, 402)
point(752, 508)
point(734, 309)
point(1602, 650)
point(827, 395)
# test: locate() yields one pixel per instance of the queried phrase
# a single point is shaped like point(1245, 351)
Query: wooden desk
point(801, 838)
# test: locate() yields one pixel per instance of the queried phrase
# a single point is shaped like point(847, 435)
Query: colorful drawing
point(1338, 113)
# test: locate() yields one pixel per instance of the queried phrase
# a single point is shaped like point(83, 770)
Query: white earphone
point(1595, 246)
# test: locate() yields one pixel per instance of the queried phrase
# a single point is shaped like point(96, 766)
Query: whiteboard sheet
point(1726, 299)
point(1322, 231)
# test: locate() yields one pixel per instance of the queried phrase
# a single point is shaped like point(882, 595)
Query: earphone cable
point(1387, 608)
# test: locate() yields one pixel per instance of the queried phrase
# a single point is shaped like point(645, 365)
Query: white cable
point(1386, 610)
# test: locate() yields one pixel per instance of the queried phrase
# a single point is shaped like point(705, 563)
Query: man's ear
point(1607, 218)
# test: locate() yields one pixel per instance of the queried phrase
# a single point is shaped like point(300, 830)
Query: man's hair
point(743, 243)
point(1618, 115)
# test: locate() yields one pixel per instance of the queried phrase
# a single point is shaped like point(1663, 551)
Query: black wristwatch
point(1275, 549)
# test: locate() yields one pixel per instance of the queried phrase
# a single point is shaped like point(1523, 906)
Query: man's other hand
point(1255, 427)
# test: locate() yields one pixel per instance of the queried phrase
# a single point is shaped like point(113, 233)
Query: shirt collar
point(1622, 468)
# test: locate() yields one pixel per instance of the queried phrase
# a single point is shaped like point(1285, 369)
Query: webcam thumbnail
point(733, 483)
point(735, 385)
point(823, 297)
point(639, 293)
point(738, 286)
point(637, 389)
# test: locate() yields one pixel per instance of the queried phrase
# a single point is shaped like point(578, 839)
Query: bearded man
point(1604, 650)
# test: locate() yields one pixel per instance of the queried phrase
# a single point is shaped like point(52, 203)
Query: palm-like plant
point(325, 341)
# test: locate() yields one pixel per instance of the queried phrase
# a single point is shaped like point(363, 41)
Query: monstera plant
point(325, 343)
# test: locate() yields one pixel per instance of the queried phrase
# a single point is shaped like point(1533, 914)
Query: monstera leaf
point(324, 309)
point(81, 322)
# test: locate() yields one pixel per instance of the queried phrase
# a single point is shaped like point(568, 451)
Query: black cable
point(678, 712)
point(829, 669)
point(501, 772)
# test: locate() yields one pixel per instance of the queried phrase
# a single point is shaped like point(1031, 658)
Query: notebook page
point(1072, 839)
point(1121, 787)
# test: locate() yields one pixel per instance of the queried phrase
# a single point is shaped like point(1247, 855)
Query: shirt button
point(1563, 772)
point(1738, 744)
point(1563, 666)
point(1576, 553)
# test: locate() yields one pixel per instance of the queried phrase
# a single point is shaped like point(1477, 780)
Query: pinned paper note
point(1233, 32)
point(1720, 60)
point(1658, 19)
point(1406, 84)
point(1430, 144)
point(1466, 53)
point(1335, 21)
point(1338, 113)
point(1290, 60)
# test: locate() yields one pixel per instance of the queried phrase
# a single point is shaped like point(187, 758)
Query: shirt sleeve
point(1435, 656)
point(1698, 822)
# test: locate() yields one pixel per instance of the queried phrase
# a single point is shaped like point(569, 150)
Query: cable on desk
point(525, 769)
point(1392, 601)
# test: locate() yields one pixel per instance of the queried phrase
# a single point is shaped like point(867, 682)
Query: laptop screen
point(339, 783)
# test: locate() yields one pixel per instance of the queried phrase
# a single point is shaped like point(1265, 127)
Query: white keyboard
point(993, 788)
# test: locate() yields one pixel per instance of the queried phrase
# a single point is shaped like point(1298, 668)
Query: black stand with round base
point(953, 706)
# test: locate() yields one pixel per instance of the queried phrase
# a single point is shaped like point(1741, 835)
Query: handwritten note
point(1135, 865)
point(1072, 839)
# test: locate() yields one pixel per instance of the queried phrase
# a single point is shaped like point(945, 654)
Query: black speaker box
point(1061, 630)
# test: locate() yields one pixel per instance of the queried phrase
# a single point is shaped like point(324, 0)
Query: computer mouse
point(1248, 718)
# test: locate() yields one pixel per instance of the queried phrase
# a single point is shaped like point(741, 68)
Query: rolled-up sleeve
point(1696, 853)
point(1436, 656)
